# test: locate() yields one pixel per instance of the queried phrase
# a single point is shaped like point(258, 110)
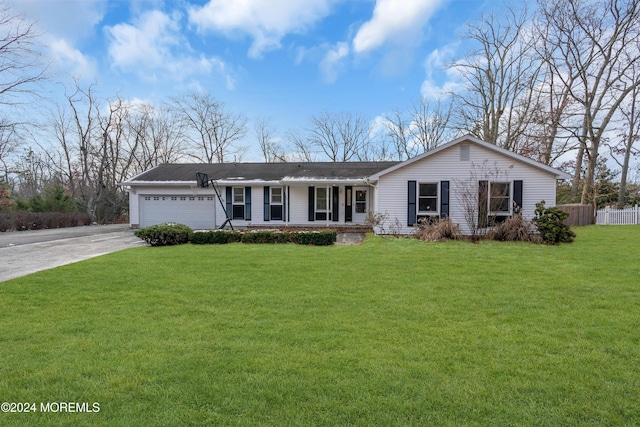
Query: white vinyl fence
point(626, 216)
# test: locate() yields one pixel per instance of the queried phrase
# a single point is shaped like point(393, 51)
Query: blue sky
point(279, 60)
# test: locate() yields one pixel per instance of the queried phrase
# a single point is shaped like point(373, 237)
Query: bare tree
point(100, 144)
point(499, 76)
point(21, 69)
point(399, 131)
point(481, 193)
point(301, 150)
point(159, 133)
point(627, 145)
point(32, 172)
point(430, 124)
point(546, 135)
point(20, 63)
point(82, 106)
point(7, 147)
point(213, 133)
point(594, 46)
point(113, 158)
point(271, 150)
point(340, 137)
point(422, 129)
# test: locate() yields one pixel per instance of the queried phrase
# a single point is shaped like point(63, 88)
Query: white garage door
point(198, 212)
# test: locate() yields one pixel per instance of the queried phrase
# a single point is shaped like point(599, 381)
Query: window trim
point(235, 203)
point(508, 212)
point(437, 198)
point(364, 202)
point(233, 195)
point(271, 196)
point(328, 198)
point(276, 205)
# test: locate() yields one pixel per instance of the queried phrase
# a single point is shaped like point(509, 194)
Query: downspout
point(374, 195)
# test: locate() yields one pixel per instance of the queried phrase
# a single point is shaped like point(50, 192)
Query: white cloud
point(440, 79)
point(332, 61)
point(72, 60)
point(146, 44)
point(63, 26)
point(397, 22)
point(266, 21)
point(153, 46)
point(69, 20)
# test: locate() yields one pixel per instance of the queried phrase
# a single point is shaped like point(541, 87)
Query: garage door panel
point(198, 212)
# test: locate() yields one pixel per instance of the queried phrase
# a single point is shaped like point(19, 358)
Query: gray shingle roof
point(262, 171)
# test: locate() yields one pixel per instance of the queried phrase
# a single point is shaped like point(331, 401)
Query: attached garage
point(198, 212)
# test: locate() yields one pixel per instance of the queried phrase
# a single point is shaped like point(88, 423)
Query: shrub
point(289, 237)
point(21, 220)
point(259, 237)
point(219, 237)
point(437, 230)
point(165, 234)
point(551, 226)
point(6, 221)
point(515, 229)
point(317, 238)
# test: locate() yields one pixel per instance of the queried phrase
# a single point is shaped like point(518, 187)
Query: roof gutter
point(323, 181)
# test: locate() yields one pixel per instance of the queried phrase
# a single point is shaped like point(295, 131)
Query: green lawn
point(392, 332)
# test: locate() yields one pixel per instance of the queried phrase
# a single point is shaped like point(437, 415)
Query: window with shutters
point(238, 203)
point(323, 203)
point(276, 203)
point(499, 198)
point(428, 200)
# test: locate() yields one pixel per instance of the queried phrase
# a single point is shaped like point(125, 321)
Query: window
point(428, 198)
point(238, 195)
point(276, 195)
point(238, 203)
point(323, 203)
point(361, 201)
point(276, 203)
point(500, 198)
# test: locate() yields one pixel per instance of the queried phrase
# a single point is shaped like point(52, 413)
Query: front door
point(360, 204)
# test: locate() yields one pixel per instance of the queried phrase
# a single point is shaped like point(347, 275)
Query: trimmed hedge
point(165, 234)
point(218, 237)
point(23, 220)
point(316, 238)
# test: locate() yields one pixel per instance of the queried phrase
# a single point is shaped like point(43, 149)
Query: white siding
point(392, 195)
point(297, 199)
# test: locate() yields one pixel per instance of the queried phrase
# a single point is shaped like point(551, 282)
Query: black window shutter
point(247, 203)
point(267, 208)
point(411, 209)
point(312, 203)
point(348, 206)
point(483, 204)
point(517, 196)
point(335, 195)
point(444, 199)
point(229, 198)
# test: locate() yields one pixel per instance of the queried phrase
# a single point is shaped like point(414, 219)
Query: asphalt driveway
point(27, 252)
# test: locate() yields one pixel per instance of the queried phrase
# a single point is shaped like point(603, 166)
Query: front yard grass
point(391, 332)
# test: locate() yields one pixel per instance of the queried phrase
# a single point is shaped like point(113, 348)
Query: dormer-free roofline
point(471, 139)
